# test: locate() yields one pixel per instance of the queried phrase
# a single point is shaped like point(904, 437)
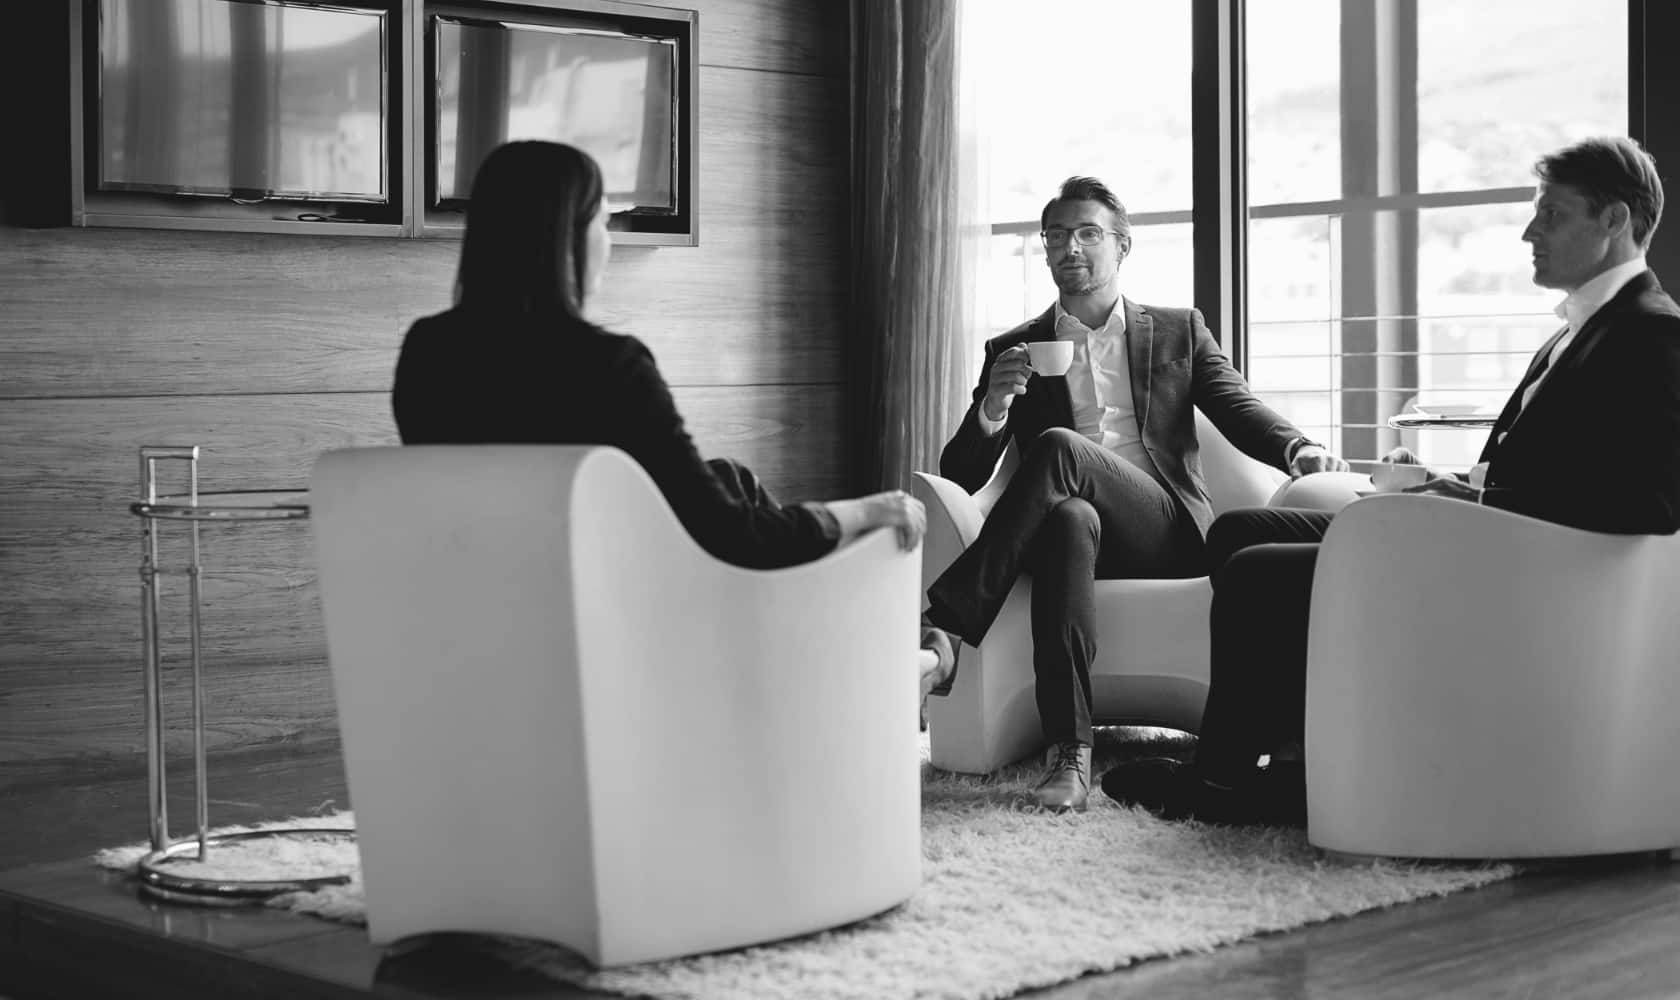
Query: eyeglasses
point(1087, 236)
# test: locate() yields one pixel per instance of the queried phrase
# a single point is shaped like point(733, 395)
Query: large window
point(1075, 87)
point(1361, 203)
point(1389, 153)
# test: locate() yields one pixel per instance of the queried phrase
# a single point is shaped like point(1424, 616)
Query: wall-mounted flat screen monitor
point(246, 99)
point(610, 93)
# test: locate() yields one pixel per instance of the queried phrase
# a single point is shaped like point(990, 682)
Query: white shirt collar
point(1116, 323)
point(1579, 305)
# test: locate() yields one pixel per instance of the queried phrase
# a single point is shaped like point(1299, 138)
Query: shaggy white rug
point(1011, 899)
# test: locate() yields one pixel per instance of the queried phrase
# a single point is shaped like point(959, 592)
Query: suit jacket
point(1598, 447)
point(465, 377)
point(1175, 365)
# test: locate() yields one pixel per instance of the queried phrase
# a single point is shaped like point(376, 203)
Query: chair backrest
point(532, 658)
point(450, 603)
point(1233, 479)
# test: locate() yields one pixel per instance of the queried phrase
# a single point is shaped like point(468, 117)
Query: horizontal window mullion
point(1394, 202)
point(1399, 316)
point(1030, 227)
point(1260, 388)
point(1322, 356)
point(1338, 206)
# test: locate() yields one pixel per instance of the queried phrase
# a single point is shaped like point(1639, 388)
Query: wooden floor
point(1582, 929)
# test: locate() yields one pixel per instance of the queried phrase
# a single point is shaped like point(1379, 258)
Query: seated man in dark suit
point(1590, 438)
point(1110, 482)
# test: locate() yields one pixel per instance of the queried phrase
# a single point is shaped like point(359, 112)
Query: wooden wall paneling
point(786, 36)
point(136, 312)
point(268, 349)
point(106, 312)
point(70, 551)
point(763, 298)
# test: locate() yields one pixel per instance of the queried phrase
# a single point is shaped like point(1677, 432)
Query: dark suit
point(1174, 363)
point(1597, 448)
point(470, 378)
point(1075, 512)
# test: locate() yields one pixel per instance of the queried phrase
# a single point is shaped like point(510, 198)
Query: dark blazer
point(1598, 446)
point(1175, 365)
point(465, 378)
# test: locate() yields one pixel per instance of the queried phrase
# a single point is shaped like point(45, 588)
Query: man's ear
point(1617, 217)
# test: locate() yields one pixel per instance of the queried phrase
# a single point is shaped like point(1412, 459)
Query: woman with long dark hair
point(517, 361)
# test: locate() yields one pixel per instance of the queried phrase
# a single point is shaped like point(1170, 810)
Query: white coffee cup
point(1392, 477)
point(1050, 357)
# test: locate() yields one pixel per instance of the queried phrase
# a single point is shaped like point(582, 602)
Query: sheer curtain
point(918, 234)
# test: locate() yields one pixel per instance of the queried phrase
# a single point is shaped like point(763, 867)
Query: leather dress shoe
point(1066, 785)
point(1281, 788)
point(1274, 796)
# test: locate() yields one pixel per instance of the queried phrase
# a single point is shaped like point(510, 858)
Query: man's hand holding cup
point(1013, 367)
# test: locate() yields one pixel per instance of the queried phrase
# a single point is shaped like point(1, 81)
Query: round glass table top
point(228, 505)
point(1423, 421)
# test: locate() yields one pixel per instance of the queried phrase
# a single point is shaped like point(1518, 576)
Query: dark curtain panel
point(911, 247)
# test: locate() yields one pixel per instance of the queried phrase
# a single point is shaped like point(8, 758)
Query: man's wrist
point(1293, 448)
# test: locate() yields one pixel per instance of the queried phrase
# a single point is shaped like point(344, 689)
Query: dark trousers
point(1261, 561)
point(1074, 513)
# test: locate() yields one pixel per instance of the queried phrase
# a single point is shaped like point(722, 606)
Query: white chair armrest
point(1478, 669)
point(1394, 557)
point(1004, 471)
point(1321, 490)
point(953, 522)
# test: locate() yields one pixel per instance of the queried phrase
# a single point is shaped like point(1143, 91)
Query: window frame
point(1382, 98)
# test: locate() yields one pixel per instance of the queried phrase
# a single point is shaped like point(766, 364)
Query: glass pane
point(1472, 260)
point(1020, 285)
point(1074, 87)
point(1483, 316)
point(1558, 73)
point(1159, 271)
point(1294, 105)
point(1355, 317)
point(1295, 367)
point(1292, 269)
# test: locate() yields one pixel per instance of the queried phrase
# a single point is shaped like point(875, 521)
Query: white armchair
point(562, 719)
point(1152, 651)
point(1481, 684)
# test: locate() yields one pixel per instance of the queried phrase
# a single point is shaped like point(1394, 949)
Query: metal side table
point(197, 508)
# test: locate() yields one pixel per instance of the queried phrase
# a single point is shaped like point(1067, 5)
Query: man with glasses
point(1109, 485)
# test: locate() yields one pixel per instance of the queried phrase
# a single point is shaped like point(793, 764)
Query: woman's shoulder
point(436, 330)
point(571, 333)
point(621, 353)
point(621, 344)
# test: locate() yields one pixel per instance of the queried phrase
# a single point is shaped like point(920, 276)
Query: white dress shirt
point(1576, 308)
point(1099, 384)
point(1579, 306)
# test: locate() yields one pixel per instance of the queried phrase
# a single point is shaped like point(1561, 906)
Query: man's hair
point(528, 230)
point(1089, 189)
point(1608, 169)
